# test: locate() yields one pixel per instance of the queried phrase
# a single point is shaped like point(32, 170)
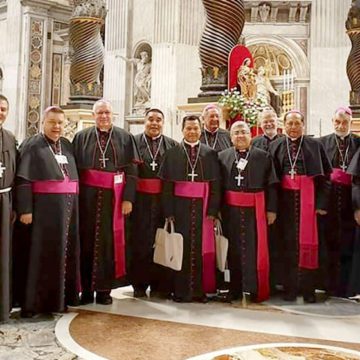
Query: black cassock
point(354, 170)
point(239, 223)
point(276, 274)
point(312, 162)
point(338, 226)
point(147, 216)
point(96, 203)
point(188, 283)
point(219, 140)
point(263, 141)
point(7, 175)
point(53, 271)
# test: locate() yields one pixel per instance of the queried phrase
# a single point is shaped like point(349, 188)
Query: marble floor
point(155, 329)
point(335, 321)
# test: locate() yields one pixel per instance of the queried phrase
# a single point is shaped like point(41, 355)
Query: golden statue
point(247, 80)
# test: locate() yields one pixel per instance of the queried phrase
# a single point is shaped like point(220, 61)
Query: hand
point(357, 216)
point(271, 217)
point(321, 212)
point(126, 207)
point(26, 218)
point(13, 217)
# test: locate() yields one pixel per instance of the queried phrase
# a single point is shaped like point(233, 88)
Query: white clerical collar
point(343, 137)
point(153, 138)
point(211, 132)
point(104, 130)
point(191, 144)
point(293, 139)
point(270, 137)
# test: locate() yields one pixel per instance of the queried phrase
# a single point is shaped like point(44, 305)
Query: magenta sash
point(200, 190)
point(338, 176)
point(106, 180)
point(257, 200)
point(65, 186)
point(308, 237)
point(149, 186)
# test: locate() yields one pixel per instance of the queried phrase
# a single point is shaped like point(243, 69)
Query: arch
point(296, 54)
point(142, 46)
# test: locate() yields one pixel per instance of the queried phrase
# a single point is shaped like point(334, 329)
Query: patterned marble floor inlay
point(32, 339)
point(118, 337)
point(285, 351)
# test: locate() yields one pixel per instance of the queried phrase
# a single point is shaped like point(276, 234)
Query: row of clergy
point(87, 211)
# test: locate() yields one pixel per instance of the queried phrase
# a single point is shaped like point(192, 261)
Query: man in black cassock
point(7, 175)
point(268, 123)
point(147, 215)
point(249, 205)
point(105, 157)
point(212, 134)
point(191, 197)
point(338, 225)
point(354, 283)
point(47, 202)
point(302, 165)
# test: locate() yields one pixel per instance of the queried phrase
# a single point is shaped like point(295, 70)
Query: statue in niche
point(142, 79)
point(246, 80)
point(263, 85)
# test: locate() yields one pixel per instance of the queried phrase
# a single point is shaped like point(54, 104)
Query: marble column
point(328, 48)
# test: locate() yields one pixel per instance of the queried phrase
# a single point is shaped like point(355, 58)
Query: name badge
point(118, 179)
point(61, 159)
point(241, 165)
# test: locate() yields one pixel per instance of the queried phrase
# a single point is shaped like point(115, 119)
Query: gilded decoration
point(353, 63)
point(35, 71)
point(275, 60)
point(35, 74)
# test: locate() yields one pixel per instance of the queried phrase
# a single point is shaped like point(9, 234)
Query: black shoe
point(87, 297)
point(310, 299)
point(74, 302)
point(139, 293)
point(289, 297)
point(103, 298)
point(27, 314)
point(201, 299)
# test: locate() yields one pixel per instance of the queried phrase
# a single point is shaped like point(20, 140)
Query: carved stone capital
point(89, 8)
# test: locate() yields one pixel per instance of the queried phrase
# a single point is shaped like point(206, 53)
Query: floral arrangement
point(238, 105)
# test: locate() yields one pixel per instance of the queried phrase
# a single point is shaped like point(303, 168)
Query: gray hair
point(343, 114)
point(267, 111)
point(100, 102)
point(238, 124)
point(209, 107)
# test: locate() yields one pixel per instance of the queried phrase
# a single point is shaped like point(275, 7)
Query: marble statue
point(263, 85)
point(142, 79)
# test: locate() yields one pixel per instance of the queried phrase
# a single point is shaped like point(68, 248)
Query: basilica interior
point(145, 53)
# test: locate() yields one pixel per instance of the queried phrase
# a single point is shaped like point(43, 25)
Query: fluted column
point(88, 50)
point(224, 24)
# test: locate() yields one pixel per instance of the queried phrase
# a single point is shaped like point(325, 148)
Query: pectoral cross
point(239, 178)
point(2, 169)
point(103, 160)
point(192, 175)
point(292, 173)
point(343, 166)
point(153, 165)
